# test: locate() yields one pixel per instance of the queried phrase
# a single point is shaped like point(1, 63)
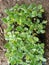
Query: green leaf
point(34, 13)
point(40, 7)
point(39, 15)
point(19, 28)
point(44, 22)
point(4, 20)
point(36, 39)
point(42, 31)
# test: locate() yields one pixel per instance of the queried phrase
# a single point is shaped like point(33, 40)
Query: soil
point(8, 4)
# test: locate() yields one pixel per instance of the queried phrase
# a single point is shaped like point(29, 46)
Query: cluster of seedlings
point(25, 26)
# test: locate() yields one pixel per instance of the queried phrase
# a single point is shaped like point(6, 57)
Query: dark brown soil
point(8, 4)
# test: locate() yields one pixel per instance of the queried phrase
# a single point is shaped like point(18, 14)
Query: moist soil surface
point(8, 4)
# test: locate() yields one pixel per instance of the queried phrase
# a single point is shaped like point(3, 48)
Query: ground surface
point(8, 4)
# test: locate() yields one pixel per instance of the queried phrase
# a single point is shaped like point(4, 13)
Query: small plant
point(24, 23)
